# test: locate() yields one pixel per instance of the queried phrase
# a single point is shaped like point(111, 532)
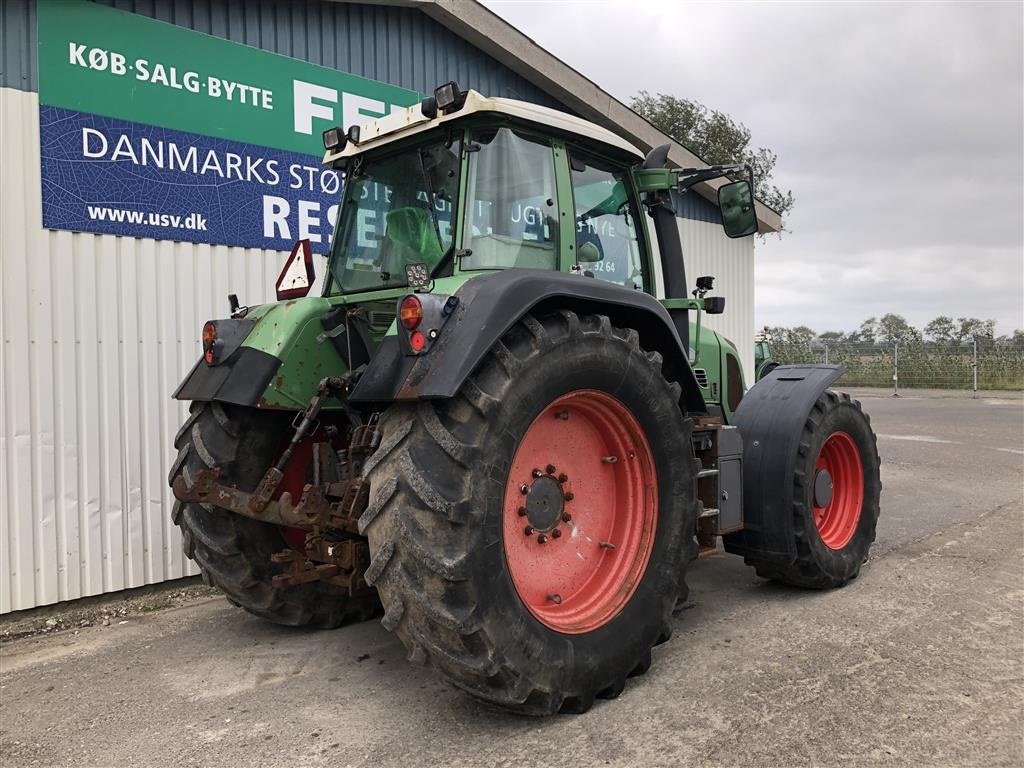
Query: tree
point(894, 329)
point(866, 333)
point(969, 327)
point(941, 329)
point(715, 138)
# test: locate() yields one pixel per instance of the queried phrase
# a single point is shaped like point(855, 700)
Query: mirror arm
point(688, 177)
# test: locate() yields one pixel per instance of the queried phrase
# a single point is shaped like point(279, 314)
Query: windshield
point(397, 210)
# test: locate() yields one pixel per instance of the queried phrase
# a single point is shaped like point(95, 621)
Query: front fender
point(490, 305)
point(771, 418)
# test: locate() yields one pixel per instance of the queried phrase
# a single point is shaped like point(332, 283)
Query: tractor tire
point(233, 552)
point(524, 600)
point(835, 512)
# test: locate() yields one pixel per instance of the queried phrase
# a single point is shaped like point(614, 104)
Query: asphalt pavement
point(919, 661)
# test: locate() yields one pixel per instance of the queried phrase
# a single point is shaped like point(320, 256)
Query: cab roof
point(410, 121)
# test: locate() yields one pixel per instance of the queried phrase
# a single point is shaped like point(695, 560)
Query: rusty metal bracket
point(341, 563)
point(313, 510)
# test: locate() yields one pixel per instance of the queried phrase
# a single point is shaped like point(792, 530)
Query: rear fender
point(489, 306)
point(279, 363)
point(771, 418)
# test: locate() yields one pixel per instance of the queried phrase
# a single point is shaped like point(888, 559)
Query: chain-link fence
point(980, 364)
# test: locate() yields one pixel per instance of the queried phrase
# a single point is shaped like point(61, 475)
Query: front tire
point(836, 492)
point(466, 587)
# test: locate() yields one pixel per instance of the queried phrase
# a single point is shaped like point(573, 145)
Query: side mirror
point(714, 305)
point(296, 279)
point(736, 201)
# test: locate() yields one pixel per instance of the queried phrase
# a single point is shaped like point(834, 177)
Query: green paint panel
point(108, 62)
point(288, 330)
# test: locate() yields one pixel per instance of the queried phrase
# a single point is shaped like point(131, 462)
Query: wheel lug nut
point(528, 530)
point(609, 459)
point(563, 415)
point(566, 517)
point(569, 496)
point(521, 511)
point(550, 469)
point(524, 489)
point(555, 533)
point(563, 477)
point(537, 473)
point(606, 545)
point(543, 539)
point(555, 598)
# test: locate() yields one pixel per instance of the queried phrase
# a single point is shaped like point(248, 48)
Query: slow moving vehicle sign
point(151, 130)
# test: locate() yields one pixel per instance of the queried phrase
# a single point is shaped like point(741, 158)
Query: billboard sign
point(152, 130)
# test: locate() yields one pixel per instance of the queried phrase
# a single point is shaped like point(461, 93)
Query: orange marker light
point(410, 313)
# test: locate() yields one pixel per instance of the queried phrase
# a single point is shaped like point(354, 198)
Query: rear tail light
point(410, 313)
point(210, 342)
point(417, 341)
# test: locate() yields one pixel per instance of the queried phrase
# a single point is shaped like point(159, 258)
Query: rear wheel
point(836, 489)
point(529, 537)
point(233, 552)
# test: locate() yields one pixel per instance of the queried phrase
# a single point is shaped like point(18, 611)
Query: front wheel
point(836, 490)
point(529, 537)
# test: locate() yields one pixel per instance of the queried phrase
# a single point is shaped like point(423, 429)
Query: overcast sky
point(899, 128)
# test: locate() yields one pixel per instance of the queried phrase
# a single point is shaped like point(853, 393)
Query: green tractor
point(490, 423)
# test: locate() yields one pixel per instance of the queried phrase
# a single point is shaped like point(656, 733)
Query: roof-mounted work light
point(448, 97)
point(334, 139)
point(353, 134)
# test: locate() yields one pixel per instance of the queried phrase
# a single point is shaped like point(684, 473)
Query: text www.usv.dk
point(191, 221)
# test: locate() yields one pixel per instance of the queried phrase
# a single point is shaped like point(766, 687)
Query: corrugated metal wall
point(709, 252)
point(97, 332)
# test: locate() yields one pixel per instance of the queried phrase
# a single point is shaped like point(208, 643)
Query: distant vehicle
point(763, 363)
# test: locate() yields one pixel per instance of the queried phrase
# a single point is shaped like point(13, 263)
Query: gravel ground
point(919, 661)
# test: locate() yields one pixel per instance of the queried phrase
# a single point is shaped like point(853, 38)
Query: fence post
point(974, 367)
point(826, 354)
point(895, 369)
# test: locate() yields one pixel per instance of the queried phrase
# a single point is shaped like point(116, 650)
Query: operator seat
point(409, 237)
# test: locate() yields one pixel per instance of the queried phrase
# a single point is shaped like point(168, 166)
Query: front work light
point(334, 139)
point(353, 134)
point(448, 96)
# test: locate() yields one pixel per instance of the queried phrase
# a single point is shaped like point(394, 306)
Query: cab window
point(511, 218)
point(607, 243)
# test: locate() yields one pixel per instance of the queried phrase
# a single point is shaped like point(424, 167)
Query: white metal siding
point(709, 252)
point(97, 332)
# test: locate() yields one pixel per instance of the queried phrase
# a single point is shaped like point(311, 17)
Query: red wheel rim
point(587, 455)
point(837, 490)
point(294, 482)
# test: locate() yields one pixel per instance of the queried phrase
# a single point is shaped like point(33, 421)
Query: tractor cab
point(485, 184)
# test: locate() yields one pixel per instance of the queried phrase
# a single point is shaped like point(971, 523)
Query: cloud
point(899, 128)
